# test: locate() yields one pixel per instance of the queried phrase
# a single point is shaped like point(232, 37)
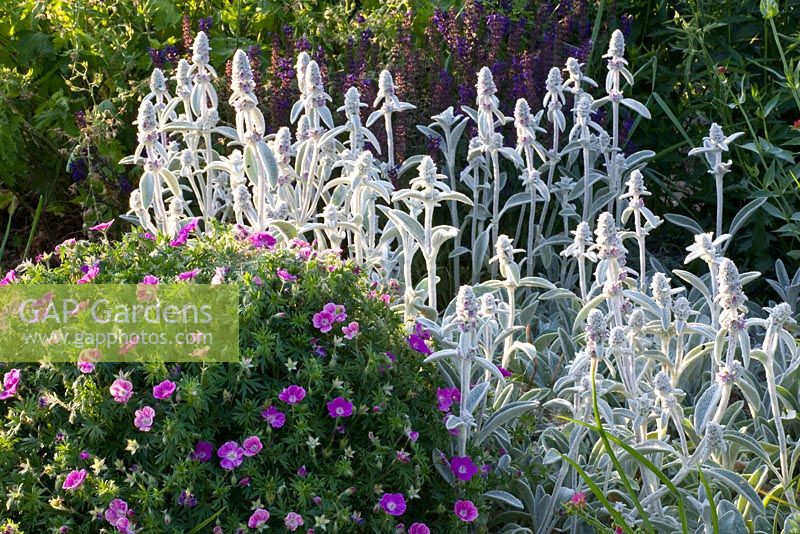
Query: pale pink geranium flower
point(323, 321)
point(275, 418)
point(117, 514)
point(85, 367)
point(252, 446)
point(351, 330)
point(74, 479)
point(164, 390)
point(258, 519)
point(231, 455)
point(144, 418)
point(121, 390)
point(293, 521)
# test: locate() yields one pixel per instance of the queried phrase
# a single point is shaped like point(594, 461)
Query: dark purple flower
point(203, 451)
point(463, 467)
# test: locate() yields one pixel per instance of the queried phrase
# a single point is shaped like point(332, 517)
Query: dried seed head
point(715, 134)
point(303, 59)
point(662, 384)
point(781, 314)
point(682, 309)
point(466, 309)
point(352, 103)
point(147, 121)
point(554, 82)
point(522, 114)
point(609, 245)
point(637, 319)
point(157, 83)
point(616, 47)
point(617, 338)
point(661, 290)
point(488, 305)
point(504, 249)
point(427, 171)
point(485, 86)
point(596, 329)
point(730, 294)
point(386, 84)
point(313, 78)
point(201, 49)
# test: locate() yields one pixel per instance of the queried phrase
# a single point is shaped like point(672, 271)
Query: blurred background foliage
point(72, 72)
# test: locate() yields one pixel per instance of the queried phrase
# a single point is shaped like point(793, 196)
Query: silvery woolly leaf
point(505, 498)
point(737, 484)
point(705, 407)
point(268, 163)
point(476, 395)
point(405, 221)
point(325, 115)
point(502, 417)
point(171, 181)
point(636, 106)
point(146, 186)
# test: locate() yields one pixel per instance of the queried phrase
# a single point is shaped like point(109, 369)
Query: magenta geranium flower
point(505, 372)
point(85, 367)
point(102, 227)
point(412, 435)
point(463, 467)
point(337, 310)
point(203, 451)
point(11, 276)
point(74, 479)
point(418, 344)
point(324, 321)
point(578, 499)
point(275, 418)
point(189, 275)
point(465, 511)
point(90, 274)
point(121, 390)
point(150, 279)
point(293, 394)
point(293, 521)
point(262, 240)
point(117, 514)
point(340, 407)
point(445, 398)
point(419, 528)
point(259, 518)
point(164, 390)
point(231, 455)
point(144, 418)
point(10, 383)
point(286, 276)
point(251, 446)
point(393, 503)
point(351, 330)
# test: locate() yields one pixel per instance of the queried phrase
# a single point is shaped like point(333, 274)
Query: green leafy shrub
point(330, 471)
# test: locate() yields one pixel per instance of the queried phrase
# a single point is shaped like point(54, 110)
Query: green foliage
point(348, 468)
point(724, 62)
